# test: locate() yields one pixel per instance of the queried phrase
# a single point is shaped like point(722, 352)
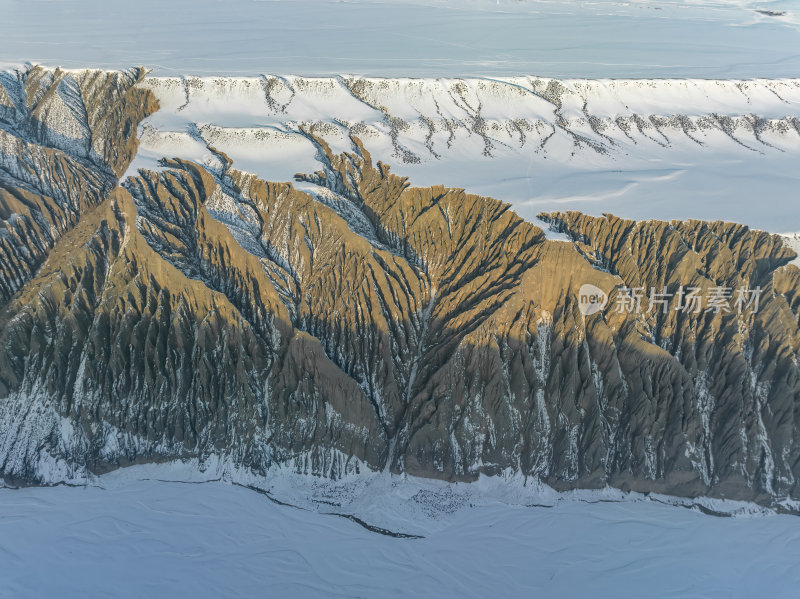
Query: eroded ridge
point(65, 139)
point(203, 312)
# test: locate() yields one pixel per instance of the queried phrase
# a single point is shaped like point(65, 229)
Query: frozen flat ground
point(432, 38)
point(137, 538)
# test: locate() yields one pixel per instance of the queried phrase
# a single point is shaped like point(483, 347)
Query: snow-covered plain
point(431, 38)
point(135, 536)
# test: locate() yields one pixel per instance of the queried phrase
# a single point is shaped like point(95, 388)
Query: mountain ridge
point(200, 311)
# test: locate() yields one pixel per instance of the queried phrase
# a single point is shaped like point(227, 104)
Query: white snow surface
point(432, 38)
point(137, 533)
point(637, 148)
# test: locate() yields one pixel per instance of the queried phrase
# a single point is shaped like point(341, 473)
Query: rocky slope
point(65, 138)
point(363, 323)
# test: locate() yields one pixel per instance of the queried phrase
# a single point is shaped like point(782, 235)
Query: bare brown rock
point(203, 312)
point(65, 138)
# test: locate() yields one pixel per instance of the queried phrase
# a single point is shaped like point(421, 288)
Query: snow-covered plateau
point(431, 38)
point(134, 533)
point(637, 148)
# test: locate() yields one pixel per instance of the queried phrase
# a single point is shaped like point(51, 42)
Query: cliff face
point(201, 311)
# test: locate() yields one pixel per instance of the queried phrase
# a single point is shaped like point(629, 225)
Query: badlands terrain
point(352, 301)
